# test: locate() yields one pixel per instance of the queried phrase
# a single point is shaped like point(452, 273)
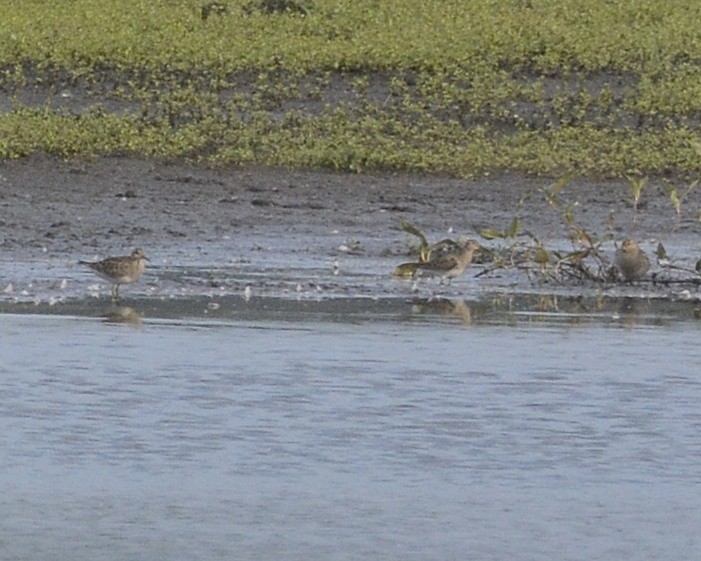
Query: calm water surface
point(331, 440)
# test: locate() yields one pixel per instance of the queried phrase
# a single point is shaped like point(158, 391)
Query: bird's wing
point(443, 262)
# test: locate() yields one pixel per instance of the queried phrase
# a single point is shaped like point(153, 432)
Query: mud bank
point(286, 233)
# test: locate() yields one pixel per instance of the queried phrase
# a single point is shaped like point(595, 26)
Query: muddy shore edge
point(268, 220)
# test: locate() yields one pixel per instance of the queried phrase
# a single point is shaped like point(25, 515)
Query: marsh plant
point(677, 199)
point(637, 184)
point(587, 260)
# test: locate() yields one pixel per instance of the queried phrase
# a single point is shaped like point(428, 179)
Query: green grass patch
point(434, 86)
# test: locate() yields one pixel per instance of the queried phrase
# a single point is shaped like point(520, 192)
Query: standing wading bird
point(447, 260)
point(631, 261)
point(120, 270)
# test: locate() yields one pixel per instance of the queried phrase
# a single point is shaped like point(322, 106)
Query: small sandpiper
point(448, 261)
point(120, 270)
point(631, 261)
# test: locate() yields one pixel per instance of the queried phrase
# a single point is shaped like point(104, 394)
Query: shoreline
point(278, 227)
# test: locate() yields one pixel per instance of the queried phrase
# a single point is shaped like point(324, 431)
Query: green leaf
point(575, 256)
point(661, 252)
point(513, 228)
point(541, 255)
point(490, 234)
point(674, 198)
point(556, 187)
point(636, 187)
point(692, 186)
point(411, 229)
point(405, 270)
point(569, 215)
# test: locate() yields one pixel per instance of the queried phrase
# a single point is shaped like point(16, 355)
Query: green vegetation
point(460, 87)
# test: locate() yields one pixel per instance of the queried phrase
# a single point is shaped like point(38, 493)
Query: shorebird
point(447, 260)
point(631, 261)
point(120, 270)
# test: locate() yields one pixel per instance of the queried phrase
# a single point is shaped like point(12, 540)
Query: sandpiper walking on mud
point(120, 270)
point(447, 261)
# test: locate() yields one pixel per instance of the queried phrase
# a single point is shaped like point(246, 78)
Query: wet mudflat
point(314, 432)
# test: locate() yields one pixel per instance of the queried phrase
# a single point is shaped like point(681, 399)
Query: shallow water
point(302, 431)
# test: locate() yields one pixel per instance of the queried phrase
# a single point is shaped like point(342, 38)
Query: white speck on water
point(247, 293)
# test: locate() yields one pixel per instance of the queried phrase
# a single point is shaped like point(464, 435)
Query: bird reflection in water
point(631, 311)
point(444, 306)
point(122, 314)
